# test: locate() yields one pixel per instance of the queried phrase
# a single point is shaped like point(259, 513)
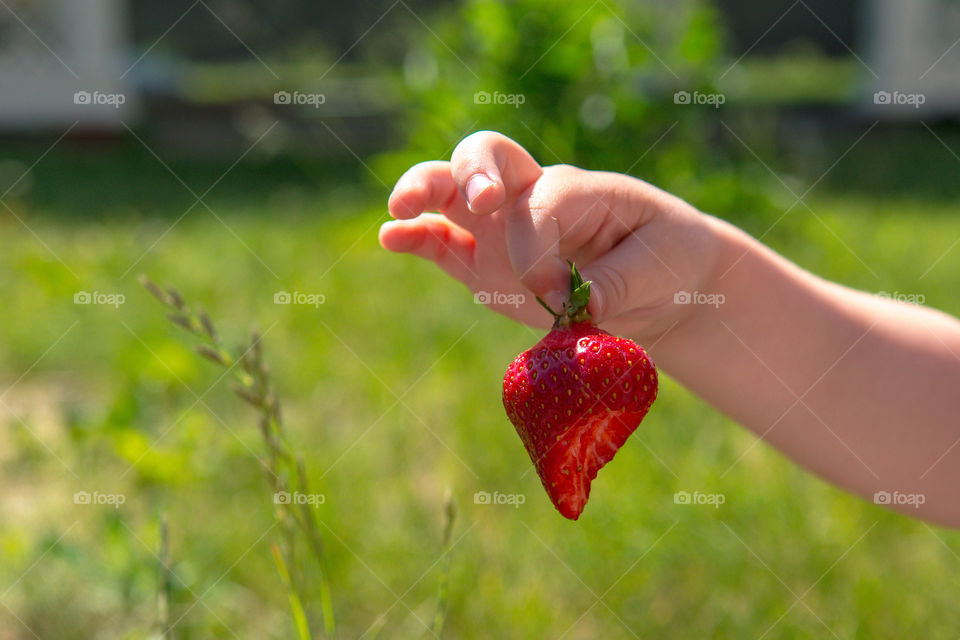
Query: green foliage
point(584, 83)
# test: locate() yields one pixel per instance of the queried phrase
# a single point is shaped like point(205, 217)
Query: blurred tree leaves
point(586, 83)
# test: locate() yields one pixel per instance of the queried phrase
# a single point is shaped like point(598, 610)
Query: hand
point(506, 226)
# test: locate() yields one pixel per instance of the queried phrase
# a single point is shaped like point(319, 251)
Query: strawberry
point(575, 398)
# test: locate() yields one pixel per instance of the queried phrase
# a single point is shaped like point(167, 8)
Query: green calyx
point(575, 310)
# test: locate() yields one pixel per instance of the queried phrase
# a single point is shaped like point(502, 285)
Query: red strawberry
point(575, 398)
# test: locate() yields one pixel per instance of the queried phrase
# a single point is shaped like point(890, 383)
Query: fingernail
point(477, 184)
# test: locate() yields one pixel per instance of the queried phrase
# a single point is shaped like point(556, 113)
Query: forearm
point(863, 391)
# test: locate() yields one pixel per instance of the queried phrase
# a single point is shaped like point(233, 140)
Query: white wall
point(910, 50)
point(37, 90)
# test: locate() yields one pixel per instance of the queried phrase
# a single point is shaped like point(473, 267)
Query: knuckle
point(423, 168)
point(469, 147)
point(559, 186)
point(541, 275)
point(529, 279)
point(615, 287)
point(411, 175)
point(563, 172)
point(434, 244)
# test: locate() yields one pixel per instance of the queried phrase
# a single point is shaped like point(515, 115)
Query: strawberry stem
point(547, 307)
point(576, 309)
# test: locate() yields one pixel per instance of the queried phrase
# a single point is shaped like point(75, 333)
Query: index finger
point(429, 186)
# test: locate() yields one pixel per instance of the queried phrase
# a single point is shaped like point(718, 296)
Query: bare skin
point(863, 391)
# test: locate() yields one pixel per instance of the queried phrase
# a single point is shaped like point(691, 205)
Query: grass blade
point(299, 617)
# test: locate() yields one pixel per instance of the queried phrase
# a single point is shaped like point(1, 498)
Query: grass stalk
point(443, 588)
point(165, 574)
point(284, 470)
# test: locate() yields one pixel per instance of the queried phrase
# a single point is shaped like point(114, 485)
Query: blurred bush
point(590, 84)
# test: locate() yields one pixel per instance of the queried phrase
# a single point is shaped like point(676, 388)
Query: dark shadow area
point(113, 178)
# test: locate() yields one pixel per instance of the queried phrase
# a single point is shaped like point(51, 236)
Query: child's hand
point(860, 390)
point(507, 226)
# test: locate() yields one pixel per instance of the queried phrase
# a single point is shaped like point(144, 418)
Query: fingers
point(435, 238)
point(561, 216)
point(488, 171)
point(429, 186)
point(491, 171)
point(621, 274)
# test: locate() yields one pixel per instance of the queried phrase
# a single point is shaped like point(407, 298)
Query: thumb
point(610, 288)
point(491, 170)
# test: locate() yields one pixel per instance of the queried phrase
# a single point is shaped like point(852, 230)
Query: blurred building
point(93, 62)
point(907, 52)
point(914, 49)
point(62, 62)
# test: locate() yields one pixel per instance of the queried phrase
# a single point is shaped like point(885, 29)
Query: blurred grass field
point(392, 393)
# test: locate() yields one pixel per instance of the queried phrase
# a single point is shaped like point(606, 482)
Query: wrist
point(729, 245)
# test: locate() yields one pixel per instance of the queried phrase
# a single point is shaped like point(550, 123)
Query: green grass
point(392, 394)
